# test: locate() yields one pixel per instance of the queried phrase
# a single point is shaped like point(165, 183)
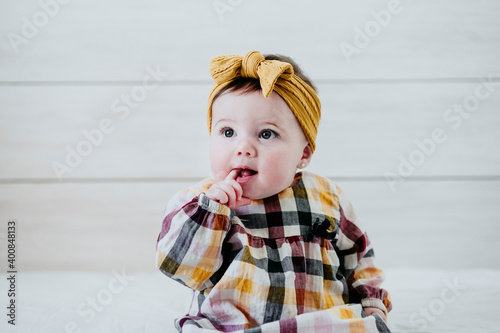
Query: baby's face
point(261, 138)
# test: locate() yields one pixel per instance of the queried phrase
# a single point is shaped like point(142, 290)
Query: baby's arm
point(189, 247)
point(363, 278)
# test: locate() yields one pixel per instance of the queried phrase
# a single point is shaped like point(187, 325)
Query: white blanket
point(55, 302)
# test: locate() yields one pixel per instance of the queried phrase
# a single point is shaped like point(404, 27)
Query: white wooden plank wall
point(64, 69)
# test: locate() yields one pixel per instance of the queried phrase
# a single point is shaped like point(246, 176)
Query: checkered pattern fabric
point(296, 261)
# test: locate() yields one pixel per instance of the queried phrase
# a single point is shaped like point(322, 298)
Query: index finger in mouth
point(233, 174)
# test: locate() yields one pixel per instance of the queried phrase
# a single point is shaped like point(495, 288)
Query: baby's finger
point(228, 190)
point(223, 197)
point(217, 194)
point(237, 188)
point(232, 175)
point(244, 201)
point(239, 199)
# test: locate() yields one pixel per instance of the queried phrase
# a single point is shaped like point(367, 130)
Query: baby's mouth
point(245, 175)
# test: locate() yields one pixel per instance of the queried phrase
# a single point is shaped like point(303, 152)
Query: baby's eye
point(268, 134)
point(227, 132)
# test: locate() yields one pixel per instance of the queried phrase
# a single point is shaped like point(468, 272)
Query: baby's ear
point(306, 157)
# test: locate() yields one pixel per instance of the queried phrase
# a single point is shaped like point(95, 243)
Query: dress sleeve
point(356, 253)
point(190, 242)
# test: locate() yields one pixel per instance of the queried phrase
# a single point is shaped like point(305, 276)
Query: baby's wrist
point(375, 303)
point(372, 310)
point(213, 206)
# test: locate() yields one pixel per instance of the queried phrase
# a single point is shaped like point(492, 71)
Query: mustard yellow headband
point(273, 75)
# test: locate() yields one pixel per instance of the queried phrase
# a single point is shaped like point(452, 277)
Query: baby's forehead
point(254, 103)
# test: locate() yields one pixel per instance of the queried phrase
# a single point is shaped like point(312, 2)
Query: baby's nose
point(247, 149)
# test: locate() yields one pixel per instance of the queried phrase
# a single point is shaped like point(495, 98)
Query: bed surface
point(454, 301)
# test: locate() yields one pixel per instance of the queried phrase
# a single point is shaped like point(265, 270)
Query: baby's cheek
point(217, 168)
point(280, 174)
point(217, 159)
point(221, 170)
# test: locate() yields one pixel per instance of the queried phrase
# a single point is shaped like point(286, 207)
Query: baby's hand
point(228, 192)
point(371, 310)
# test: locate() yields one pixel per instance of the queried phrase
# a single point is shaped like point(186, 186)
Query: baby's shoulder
point(321, 183)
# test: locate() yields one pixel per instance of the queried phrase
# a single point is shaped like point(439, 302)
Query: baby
point(264, 247)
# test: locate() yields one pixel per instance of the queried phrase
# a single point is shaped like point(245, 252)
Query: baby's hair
point(248, 85)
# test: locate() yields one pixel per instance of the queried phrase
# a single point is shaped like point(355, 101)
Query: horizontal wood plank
point(93, 40)
point(366, 131)
point(442, 225)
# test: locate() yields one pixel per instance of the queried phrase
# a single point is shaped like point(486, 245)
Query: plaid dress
point(296, 261)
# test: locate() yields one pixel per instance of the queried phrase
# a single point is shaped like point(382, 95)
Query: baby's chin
point(256, 194)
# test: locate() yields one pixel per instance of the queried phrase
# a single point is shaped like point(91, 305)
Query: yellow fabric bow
point(273, 75)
